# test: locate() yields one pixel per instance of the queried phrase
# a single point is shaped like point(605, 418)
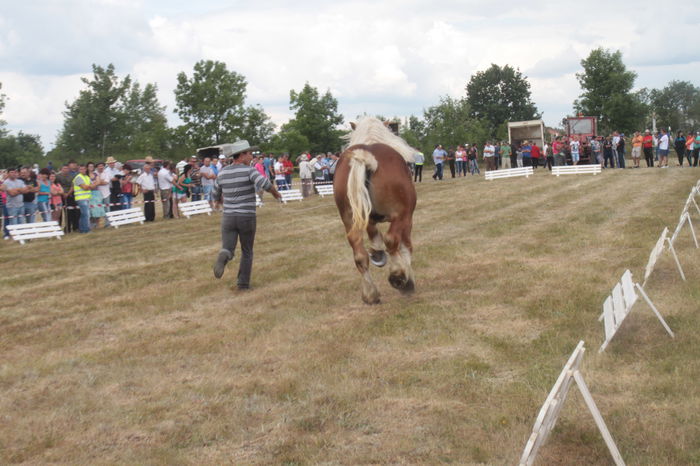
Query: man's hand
point(276, 194)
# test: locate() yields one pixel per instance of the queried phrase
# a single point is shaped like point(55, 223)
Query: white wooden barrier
point(291, 195)
point(547, 417)
point(618, 306)
point(27, 231)
point(685, 218)
point(656, 253)
point(118, 218)
point(691, 200)
point(508, 173)
point(324, 189)
point(195, 207)
point(576, 169)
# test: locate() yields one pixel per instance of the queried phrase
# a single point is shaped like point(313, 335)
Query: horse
point(372, 184)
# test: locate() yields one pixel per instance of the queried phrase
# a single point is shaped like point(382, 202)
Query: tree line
point(120, 117)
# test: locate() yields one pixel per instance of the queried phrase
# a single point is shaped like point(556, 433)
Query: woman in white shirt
point(461, 159)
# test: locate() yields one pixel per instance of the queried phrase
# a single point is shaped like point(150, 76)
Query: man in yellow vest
point(82, 190)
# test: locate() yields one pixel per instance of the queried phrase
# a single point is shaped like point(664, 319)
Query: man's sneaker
point(221, 261)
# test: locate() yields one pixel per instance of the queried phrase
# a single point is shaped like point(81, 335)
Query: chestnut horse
point(372, 184)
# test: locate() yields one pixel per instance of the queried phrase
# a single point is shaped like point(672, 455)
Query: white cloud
point(391, 57)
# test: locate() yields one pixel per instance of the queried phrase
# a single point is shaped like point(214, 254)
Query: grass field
point(121, 347)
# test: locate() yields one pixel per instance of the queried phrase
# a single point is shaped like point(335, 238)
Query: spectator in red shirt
point(535, 154)
point(647, 146)
point(288, 170)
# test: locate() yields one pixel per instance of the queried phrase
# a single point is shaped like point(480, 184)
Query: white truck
point(531, 130)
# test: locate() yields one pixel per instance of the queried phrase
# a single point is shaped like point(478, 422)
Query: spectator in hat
point(147, 184)
point(306, 176)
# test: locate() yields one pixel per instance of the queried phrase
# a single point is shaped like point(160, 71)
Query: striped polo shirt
point(237, 185)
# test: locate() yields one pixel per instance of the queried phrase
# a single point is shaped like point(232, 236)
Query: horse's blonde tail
point(361, 161)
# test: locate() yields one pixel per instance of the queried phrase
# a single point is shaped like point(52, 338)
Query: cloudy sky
point(388, 57)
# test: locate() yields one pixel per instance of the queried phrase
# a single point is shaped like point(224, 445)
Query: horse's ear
point(352, 125)
point(386, 124)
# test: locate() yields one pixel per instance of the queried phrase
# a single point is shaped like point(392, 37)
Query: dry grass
point(120, 347)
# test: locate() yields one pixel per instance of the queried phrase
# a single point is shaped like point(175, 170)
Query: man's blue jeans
point(5, 221)
point(84, 224)
point(29, 212)
point(438, 171)
point(15, 215)
point(196, 193)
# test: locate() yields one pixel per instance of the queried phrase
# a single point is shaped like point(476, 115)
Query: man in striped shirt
point(235, 186)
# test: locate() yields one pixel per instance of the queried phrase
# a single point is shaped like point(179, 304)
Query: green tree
point(257, 127)
point(144, 124)
point(316, 118)
point(211, 103)
point(413, 131)
point(112, 116)
point(92, 122)
point(607, 92)
point(22, 149)
point(498, 95)
point(288, 140)
point(673, 104)
point(450, 123)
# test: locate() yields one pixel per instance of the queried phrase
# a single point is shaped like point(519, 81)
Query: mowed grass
point(120, 347)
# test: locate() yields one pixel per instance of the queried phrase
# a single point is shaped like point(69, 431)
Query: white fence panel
point(118, 218)
point(549, 413)
point(26, 231)
point(576, 169)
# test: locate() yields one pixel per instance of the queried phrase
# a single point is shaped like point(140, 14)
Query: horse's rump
point(377, 183)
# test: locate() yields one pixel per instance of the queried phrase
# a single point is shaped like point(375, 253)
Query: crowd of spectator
point(608, 151)
point(79, 196)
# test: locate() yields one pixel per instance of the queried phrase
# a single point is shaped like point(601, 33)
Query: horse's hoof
point(378, 258)
point(397, 281)
point(409, 288)
point(371, 299)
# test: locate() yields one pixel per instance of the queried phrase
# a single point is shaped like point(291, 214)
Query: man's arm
point(274, 192)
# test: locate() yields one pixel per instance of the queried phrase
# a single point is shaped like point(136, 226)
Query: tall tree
point(211, 103)
point(316, 118)
point(413, 131)
point(607, 92)
point(288, 140)
point(450, 123)
point(22, 149)
point(92, 122)
point(500, 94)
point(17, 149)
point(257, 126)
point(112, 116)
point(674, 103)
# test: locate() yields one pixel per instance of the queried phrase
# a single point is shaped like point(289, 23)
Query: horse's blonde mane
point(370, 130)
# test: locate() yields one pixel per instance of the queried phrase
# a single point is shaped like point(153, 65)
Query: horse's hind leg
point(377, 255)
point(370, 295)
point(398, 245)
